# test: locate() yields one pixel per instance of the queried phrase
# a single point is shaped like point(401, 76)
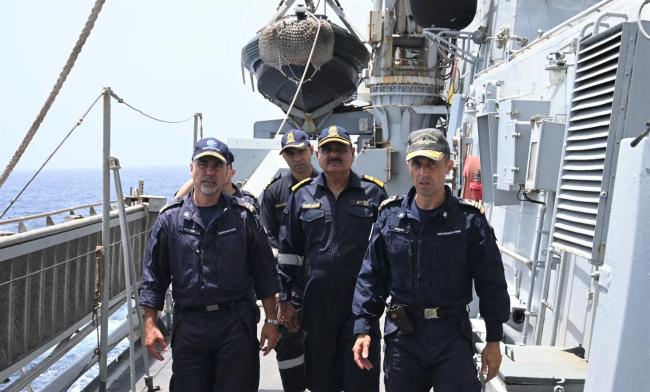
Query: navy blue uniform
point(430, 261)
point(274, 201)
point(211, 270)
point(247, 197)
point(290, 351)
point(323, 240)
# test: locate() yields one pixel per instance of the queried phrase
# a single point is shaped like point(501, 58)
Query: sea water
point(58, 189)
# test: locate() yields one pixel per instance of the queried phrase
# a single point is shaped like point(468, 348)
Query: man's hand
point(153, 339)
point(269, 338)
point(361, 351)
point(288, 316)
point(491, 359)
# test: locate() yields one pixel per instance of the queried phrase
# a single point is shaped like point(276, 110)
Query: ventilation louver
point(581, 194)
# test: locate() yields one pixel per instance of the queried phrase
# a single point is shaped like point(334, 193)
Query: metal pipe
point(126, 258)
point(376, 5)
point(549, 198)
point(65, 380)
point(516, 256)
point(559, 295)
point(589, 322)
point(539, 323)
point(196, 130)
point(106, 240)
point(607, 15)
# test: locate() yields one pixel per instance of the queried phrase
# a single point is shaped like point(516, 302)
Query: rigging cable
point(51, 155)
point(304, 74)
point(94, 13)
point(120, 100)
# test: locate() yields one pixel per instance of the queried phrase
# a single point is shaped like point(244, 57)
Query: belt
point(440, 312)
point(207, 308)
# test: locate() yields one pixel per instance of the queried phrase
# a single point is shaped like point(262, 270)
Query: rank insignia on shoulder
point(473, 203)
point(174, 203)
point(372, 179)
point(301, 184)
point(277, 177)
point(243, 203)
point(310, 206)
point(390, 200)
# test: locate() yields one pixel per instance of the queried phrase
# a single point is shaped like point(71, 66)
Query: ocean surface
point(58, 189)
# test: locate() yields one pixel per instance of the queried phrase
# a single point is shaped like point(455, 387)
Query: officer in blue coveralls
point(426, 249)
point(323, 237)
point(297, 152)
point(211, 248)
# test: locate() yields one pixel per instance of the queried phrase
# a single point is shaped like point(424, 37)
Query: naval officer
point(426, 249)
point(212, 249)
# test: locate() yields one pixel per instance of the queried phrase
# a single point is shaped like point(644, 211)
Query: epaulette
point(473, 203)
point(277, 177)
point(175, 203)
point(301, 184)
point(377, 181)
point(242, 203)
point(390, 200)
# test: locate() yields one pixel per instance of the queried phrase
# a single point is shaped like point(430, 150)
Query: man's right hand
point(288, 316)
point(361, 351)
point(153, 338)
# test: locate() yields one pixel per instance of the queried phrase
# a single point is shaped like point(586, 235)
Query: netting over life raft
point(289, 42)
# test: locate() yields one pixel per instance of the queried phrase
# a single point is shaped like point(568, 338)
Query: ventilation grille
point(583, 165)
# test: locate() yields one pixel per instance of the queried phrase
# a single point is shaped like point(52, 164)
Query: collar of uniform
point(191, 211)
point(353, 182)
point(447, 207)
point(237, 192)
point(294, 180)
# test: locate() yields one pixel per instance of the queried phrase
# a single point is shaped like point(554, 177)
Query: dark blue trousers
point(438, 354)
point(290, 353)
point(215, 351)
point(330, 363)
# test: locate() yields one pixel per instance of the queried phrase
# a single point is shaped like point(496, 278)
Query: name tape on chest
point(364, 203)
point(227, 231)
point(309, 206)
point(280, 205)
point(449, 233)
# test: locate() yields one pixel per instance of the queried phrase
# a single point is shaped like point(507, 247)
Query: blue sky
point(170, 58)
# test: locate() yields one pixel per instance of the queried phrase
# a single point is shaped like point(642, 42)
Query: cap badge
point(211, 143)
point(333, 131)
point(291, 138)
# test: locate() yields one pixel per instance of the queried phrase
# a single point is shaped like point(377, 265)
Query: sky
point(169, 58)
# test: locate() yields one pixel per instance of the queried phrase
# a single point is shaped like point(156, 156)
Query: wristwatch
point(272, 321)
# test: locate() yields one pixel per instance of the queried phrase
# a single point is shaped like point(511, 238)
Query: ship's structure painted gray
point(549, 94)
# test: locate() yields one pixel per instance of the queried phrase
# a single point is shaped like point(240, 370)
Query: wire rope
point(94, 13)
point(304, 74)
point(79, 122)
point(122, 101)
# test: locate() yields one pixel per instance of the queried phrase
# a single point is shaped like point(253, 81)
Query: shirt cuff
point(151, 299)
point(361, 325)
point(493, 331)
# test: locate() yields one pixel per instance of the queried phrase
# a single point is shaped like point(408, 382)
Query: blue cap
point(230, 157)
point(334, 134)
point(294, 138)
point(212, 147)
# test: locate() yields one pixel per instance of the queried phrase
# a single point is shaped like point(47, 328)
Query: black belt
point(207, 308)
point(440, 312)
